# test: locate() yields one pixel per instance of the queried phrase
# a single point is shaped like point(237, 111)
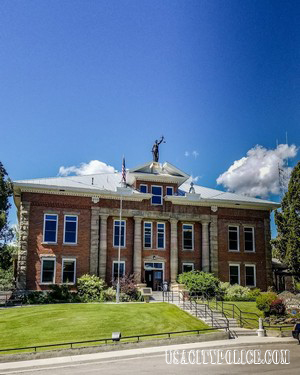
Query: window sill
point(234, 251)
point(187, 249)
point(70, 244)
point(49, 243)
point(249, 251)
point(121, 247)
point(47, 283)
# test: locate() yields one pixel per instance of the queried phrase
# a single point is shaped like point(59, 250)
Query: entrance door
point(157, 280)
point(149, 279)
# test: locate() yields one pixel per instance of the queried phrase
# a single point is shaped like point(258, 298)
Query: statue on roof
point(155, 148)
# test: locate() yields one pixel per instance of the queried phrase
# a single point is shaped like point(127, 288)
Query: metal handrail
point(106, 340)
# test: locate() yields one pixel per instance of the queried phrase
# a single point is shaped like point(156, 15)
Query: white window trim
point(116, 246)
point(113, 266)
point(164, 224)
point(239, 268)
point(253, 234)
point(183, 248)
point(188, 264)
point(161, 196)
point(170, 187)
point(148, 222)
point(53, 258)
point(238, 238)
point(254, 267)
point(76, 240)
point(146, 187)
point(49, 242)
point(62, 270)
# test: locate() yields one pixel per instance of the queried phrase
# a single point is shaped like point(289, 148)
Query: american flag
point(123, 172)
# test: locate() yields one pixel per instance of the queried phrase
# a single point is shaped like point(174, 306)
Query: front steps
point(219, 320)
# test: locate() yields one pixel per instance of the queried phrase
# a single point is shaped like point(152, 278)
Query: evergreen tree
point(6, 233)
point(287, 243)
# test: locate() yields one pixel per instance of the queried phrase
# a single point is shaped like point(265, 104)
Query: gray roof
point(108, 182)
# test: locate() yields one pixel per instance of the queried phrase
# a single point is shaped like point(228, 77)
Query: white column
point(94, 241)
point(174, 250)
point(23, 244)
point(103, 246)
point(137, 251)
point(205, 247)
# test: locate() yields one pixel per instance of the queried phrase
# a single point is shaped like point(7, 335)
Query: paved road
point(156, 364)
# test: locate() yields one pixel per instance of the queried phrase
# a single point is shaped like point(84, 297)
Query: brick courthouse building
point(70, 226)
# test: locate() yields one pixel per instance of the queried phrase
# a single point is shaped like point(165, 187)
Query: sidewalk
point(236, 343)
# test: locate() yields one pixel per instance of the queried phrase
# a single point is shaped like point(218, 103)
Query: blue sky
point(93, 80)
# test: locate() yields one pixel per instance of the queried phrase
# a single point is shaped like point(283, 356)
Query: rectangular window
point(234, 274)
point(50, 228)
point(148, 234)
point(69, 271)
point(170, 190)
point(187, 267)
point(117, 232)
point(115, 269)
point(143, 188)
point(233, 238)
point(250, 274)
point(48, 271)
point(70, 231)
point(249, 239)
point(156, 195)
point(160, 235)
point(188, 236)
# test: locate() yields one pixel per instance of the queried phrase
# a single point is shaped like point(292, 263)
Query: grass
point(51, 324)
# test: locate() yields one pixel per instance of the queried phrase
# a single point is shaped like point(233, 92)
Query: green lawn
point(47, 324)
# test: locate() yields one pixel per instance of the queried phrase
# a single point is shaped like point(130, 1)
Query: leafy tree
point(287, 243)
point(6, 233)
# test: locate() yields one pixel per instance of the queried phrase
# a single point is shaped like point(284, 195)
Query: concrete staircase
point(212, 317)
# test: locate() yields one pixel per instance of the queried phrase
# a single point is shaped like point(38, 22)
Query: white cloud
point(186, 154)
point(256, 174)
point(191, 153)
point(195, 154)
point(92, 167)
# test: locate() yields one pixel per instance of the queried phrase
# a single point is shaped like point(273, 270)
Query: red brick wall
point(41, 203)
point(242, 217)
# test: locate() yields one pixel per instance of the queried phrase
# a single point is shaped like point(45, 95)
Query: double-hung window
point(121, 269)
point(250, 274)
point(119, 233)
point(234, 274)
point(169, 190)
point(68, 271)
point(148, 235)
point(70, 229)
point(50, 228)
point(233, 238)
point(143, 188)
point(156, 192)
point(187, 267)
point(160, 235)
point(188, 236)
point(48, 270)
point(249, 239)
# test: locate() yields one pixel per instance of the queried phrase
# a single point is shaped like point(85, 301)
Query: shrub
point(60, 293)
point(238, 292)
point(6, 279)
point(90, 288)
point(200, 282)
point(109, 294)
point(36, 298)
point(128, 287)
point(263, 302)
point(277, 307)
